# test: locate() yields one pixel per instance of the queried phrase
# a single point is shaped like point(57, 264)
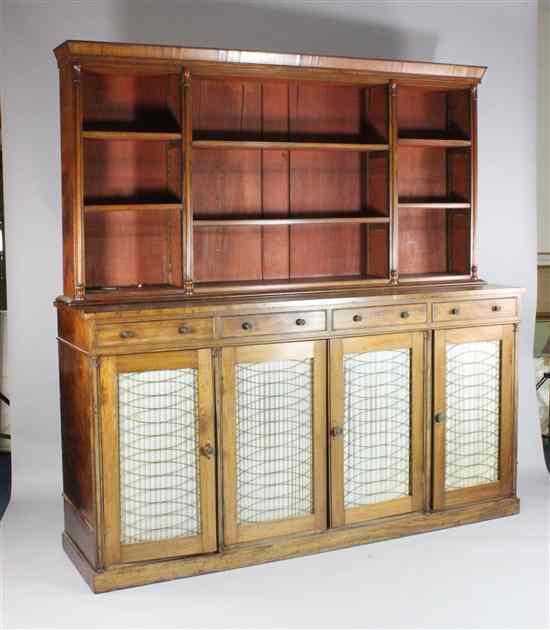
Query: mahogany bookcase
point(273, 339)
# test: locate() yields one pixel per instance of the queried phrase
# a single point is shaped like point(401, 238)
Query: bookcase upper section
point(190, 171)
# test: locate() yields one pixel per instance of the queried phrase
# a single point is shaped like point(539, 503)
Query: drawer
point(273, 324)
point(154, 332)
point(403, 314)
point(474, 309)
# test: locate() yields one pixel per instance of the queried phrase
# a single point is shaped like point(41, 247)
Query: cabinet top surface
point(377, 295)
point(110, 51)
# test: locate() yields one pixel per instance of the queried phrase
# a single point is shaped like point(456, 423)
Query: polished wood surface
point(179, 54)
point(475, 310)
point(278, 323)
point(155, 332)
point(79, 445)
point(357, 318)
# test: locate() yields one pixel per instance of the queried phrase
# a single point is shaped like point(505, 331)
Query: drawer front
point(273, 324)
point(476, 309)
point(405, 315)
point(154, 332)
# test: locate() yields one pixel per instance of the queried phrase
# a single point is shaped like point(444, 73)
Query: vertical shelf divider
point(473, 183)
point(394, 192)
point(80, 267)
point(187, 208)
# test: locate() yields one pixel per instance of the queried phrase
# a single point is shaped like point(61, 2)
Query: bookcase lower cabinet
point(193, 443)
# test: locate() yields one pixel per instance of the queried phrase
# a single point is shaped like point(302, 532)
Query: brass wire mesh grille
point(377, 432)
point(473, 413)
point(158, 455)
point(274, 440)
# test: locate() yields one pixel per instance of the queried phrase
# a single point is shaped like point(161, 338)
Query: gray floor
point(486, 575)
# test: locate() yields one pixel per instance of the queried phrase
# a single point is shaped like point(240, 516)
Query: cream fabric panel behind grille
point(274, 412)
point(158, 455)
point(377, 432)
point(473, 414)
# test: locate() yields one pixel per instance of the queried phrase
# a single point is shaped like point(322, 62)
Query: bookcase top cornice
point(107, 51)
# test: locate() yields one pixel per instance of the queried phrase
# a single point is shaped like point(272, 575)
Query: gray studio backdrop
point(501, 35)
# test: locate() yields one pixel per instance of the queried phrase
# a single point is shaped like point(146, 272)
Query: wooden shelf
point(294, 146)
point(133, 287)
point(433, 276)
point(435, 205)
point(131, 135)
point(285, 283)
point(288, 221)
point(121, 207)
point(434, 142)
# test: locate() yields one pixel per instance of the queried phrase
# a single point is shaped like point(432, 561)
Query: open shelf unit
point(204, 183)
point(435, 155)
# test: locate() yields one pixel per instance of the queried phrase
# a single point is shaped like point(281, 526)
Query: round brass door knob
point(208, 450)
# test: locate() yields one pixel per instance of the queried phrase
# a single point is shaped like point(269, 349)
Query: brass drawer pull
point(404, 314)
point(207, 450)
point(496, 308)
point(185, 329)
point(300, 322)
point(439, 417)
point(247, 326)
point(127, 334)
point(336, 431)
point(357, 318)
point(455, 311)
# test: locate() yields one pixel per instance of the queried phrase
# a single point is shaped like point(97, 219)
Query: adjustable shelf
point(288, 145)
point(130, 135)
point(434, 142)
point(290, 221)
point(132, 207)
point(434, 204)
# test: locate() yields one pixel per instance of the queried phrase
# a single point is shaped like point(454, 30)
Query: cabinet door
point(376, 426)
point(157, 434)
point(274, 440)
point(473, 425)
